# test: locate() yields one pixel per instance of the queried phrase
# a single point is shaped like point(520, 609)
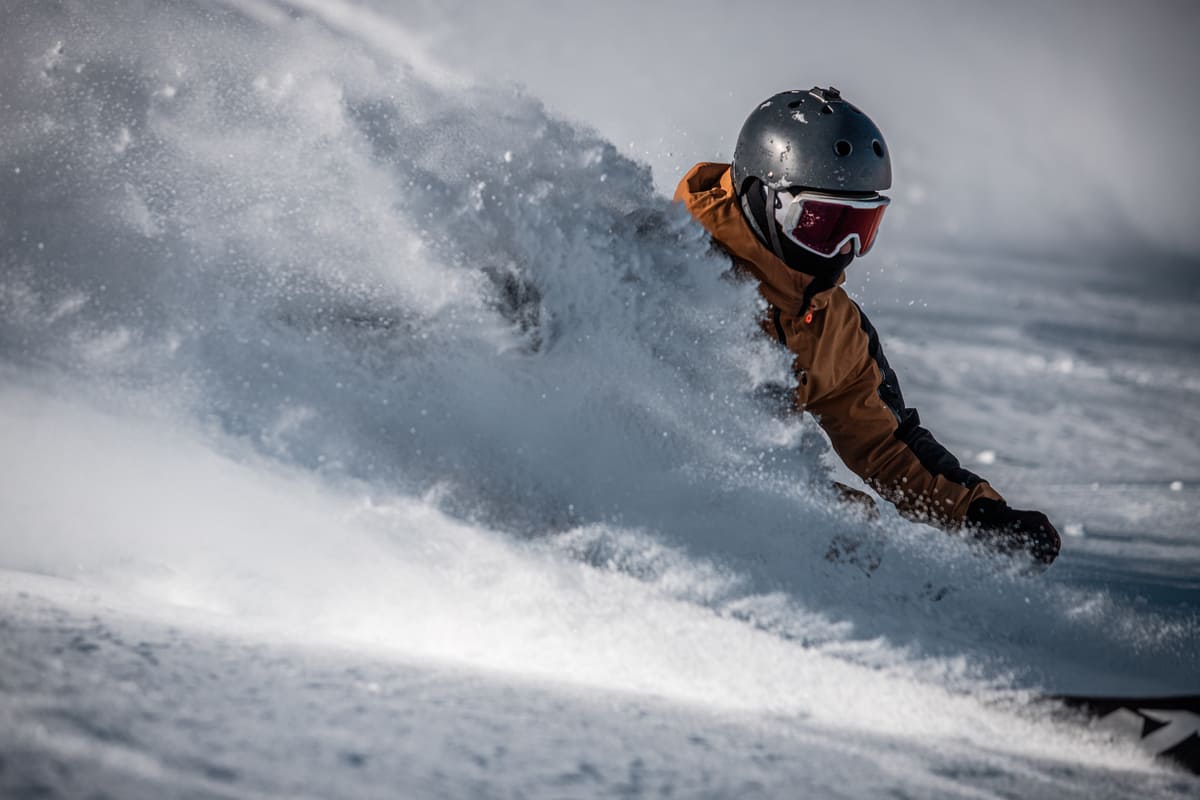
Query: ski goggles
point(824, 223)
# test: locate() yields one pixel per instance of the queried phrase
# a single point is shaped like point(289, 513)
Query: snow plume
point(294, 331)
point(306, 250)
point(312, 246)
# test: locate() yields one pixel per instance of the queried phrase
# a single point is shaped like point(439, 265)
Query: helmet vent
point(795, 104)
point(877, 146)
point(827, 109)
point(842, 147)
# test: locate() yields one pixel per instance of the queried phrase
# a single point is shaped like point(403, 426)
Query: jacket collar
point(707, 193)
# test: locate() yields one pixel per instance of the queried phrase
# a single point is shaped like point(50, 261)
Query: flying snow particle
point(1074, 529)
point(52, 58)
point(124, 139)
point(986, 457)
point(1176, 486)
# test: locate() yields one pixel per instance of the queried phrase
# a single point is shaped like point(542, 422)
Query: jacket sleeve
point(883, 442)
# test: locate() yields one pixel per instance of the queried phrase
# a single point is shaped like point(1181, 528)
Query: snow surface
point(370, 430)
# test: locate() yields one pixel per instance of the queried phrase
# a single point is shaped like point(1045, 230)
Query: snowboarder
point(799, 202)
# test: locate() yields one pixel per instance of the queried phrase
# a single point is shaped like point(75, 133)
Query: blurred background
point(1052, 128)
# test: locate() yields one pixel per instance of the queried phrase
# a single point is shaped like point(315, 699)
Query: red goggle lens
point(824, 225)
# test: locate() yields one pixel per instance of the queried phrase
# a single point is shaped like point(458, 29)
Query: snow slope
point(369, 429)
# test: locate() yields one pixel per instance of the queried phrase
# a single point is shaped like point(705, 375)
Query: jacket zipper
point(779, 327)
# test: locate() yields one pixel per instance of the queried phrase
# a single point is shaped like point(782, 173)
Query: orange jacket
point(842, 375)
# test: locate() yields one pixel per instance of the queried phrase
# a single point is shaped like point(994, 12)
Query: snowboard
point(1168, 727)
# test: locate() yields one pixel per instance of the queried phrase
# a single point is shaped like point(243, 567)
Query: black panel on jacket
point(932, 455)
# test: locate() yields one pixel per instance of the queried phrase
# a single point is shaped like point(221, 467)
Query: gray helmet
point(813, 139)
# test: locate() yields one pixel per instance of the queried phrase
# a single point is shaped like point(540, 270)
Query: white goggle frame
point(788, 215)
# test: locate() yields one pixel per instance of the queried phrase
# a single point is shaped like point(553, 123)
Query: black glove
point(1009, 530)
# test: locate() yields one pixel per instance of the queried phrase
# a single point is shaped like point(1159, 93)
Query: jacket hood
point(707, 193)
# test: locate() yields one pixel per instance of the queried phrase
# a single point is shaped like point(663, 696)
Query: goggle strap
point(748, 213)
point(772, 225)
